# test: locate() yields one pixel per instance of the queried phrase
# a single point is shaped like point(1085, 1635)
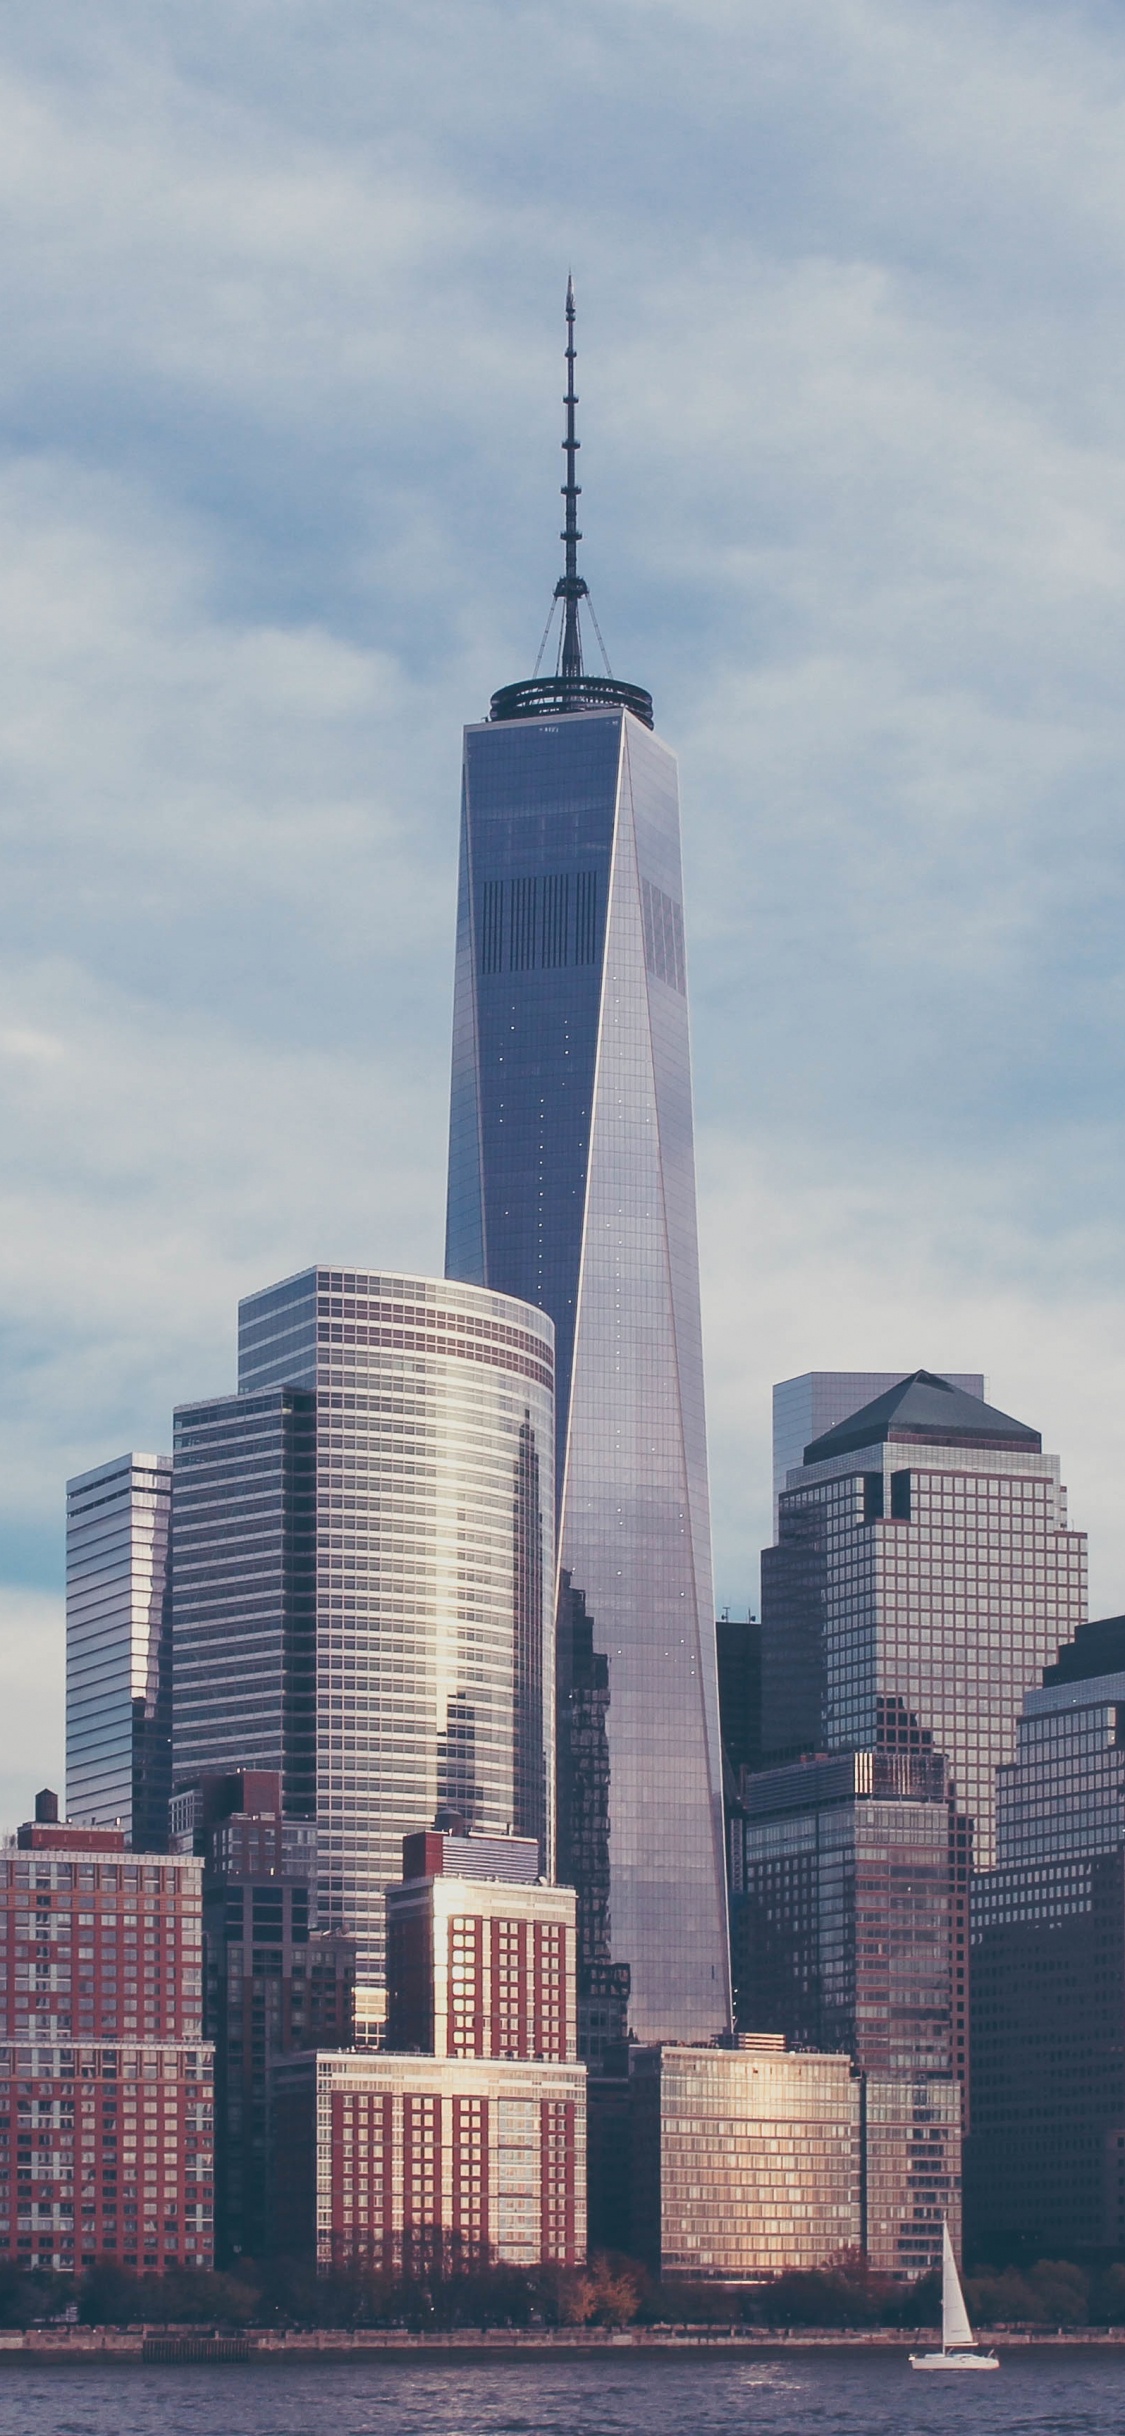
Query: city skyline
point(859, 526)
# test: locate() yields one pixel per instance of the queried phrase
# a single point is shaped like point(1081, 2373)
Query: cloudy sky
point(281, 289)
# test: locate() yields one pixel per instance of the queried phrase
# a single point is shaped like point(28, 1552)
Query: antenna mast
point(571, 587)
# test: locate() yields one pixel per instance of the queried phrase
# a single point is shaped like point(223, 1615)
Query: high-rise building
point(105, 2079)
point(273, 1982)
point(582, 1677)
point(118, 1648)
point(411, 2161)
point(1045, 2172)
point(743, 2161)
point(738, 1641)
point(818, 1400)
point(849, 1917)
point(852, 1917)
point(472, 2145)
point(923, 1575)
point(480, 1954)
point(572, 1184)
point(363, 1545)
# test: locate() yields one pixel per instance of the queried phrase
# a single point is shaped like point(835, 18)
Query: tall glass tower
point(572, 1185)
point(119, 1648)
point(362, 1574)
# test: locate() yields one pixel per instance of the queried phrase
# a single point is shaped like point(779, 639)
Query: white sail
point(955, 2327)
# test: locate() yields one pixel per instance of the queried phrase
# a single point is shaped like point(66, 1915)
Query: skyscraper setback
point(572, 1185)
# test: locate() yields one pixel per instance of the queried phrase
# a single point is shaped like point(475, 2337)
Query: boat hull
point(954, 2359)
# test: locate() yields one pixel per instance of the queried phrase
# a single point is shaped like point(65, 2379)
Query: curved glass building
point(363, 1570)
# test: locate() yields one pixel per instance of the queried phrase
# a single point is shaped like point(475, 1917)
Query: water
point(842, 2395)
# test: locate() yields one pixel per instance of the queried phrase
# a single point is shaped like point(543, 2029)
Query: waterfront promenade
point(109, 2346)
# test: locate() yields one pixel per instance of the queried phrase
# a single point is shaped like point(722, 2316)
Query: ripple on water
point(842, 2394)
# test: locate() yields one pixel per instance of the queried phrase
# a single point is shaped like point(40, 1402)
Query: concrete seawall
point(171, 2346)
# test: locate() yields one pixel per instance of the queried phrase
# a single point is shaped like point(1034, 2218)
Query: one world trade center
point(572, 1184)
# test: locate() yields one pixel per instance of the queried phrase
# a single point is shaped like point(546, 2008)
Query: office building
point(1045, 2173)
point(747, 2161)
point(480, 1954)
point(744, 2161)
point(273, 1982)
point(407, 2161)
point(474, 2147)
point(105, 2080)
point(582, 1769)
point(572, 1185)
point(118, 1648)
point(850, 1909)
point(853, 1923)
point(363, 1546)
point(738, 1642)
point(923, 1575)
point(806, 1407)
point(912, 2173)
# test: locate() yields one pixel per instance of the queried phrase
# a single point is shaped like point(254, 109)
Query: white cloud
point(278, 456)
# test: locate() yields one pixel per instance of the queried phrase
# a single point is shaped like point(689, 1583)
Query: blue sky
point(281, 288)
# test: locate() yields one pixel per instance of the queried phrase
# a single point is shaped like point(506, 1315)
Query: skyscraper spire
point(570, 688)
point(571, 586)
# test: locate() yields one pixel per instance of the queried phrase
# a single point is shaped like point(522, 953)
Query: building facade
point(479, 1964)
point(1046, 2166)
point(272, 1981)
point(118, 1648)
point(923, 1575)
point(402, 2161)
point(806, 1407)
point(106, 2118)
point(912, 2181)
point(750, 2161)
point(364, 1574)
point(582, 1769)
point(744, 2161)
point(850, 1916)
point(572, 1184)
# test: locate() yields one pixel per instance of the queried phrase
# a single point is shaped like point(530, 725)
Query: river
point(841, 2394)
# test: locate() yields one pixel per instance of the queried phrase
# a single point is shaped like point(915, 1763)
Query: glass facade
point(244, 1604)
point(571, 1184)
point(363, 1563)
point(804, 1407)
point(914, 1593)
point(852, 1924)
point(912, 2173)
point(849, 1913)
point(744, 2162)
point(118, 1648)
point(1047, 2161)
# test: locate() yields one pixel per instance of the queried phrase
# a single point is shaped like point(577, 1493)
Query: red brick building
point(106, 2114)
point(471, 2143)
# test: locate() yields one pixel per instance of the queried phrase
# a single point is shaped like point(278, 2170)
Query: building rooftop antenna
point(570, 689)
point(571, 586)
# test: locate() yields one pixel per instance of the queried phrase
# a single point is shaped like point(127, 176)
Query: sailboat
point(958, 2349)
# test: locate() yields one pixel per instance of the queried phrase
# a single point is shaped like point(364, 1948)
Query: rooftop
point(925, 1410)
point(1098, 1648)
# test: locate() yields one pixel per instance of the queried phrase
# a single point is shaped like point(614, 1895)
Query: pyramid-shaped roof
point(925, 1410)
